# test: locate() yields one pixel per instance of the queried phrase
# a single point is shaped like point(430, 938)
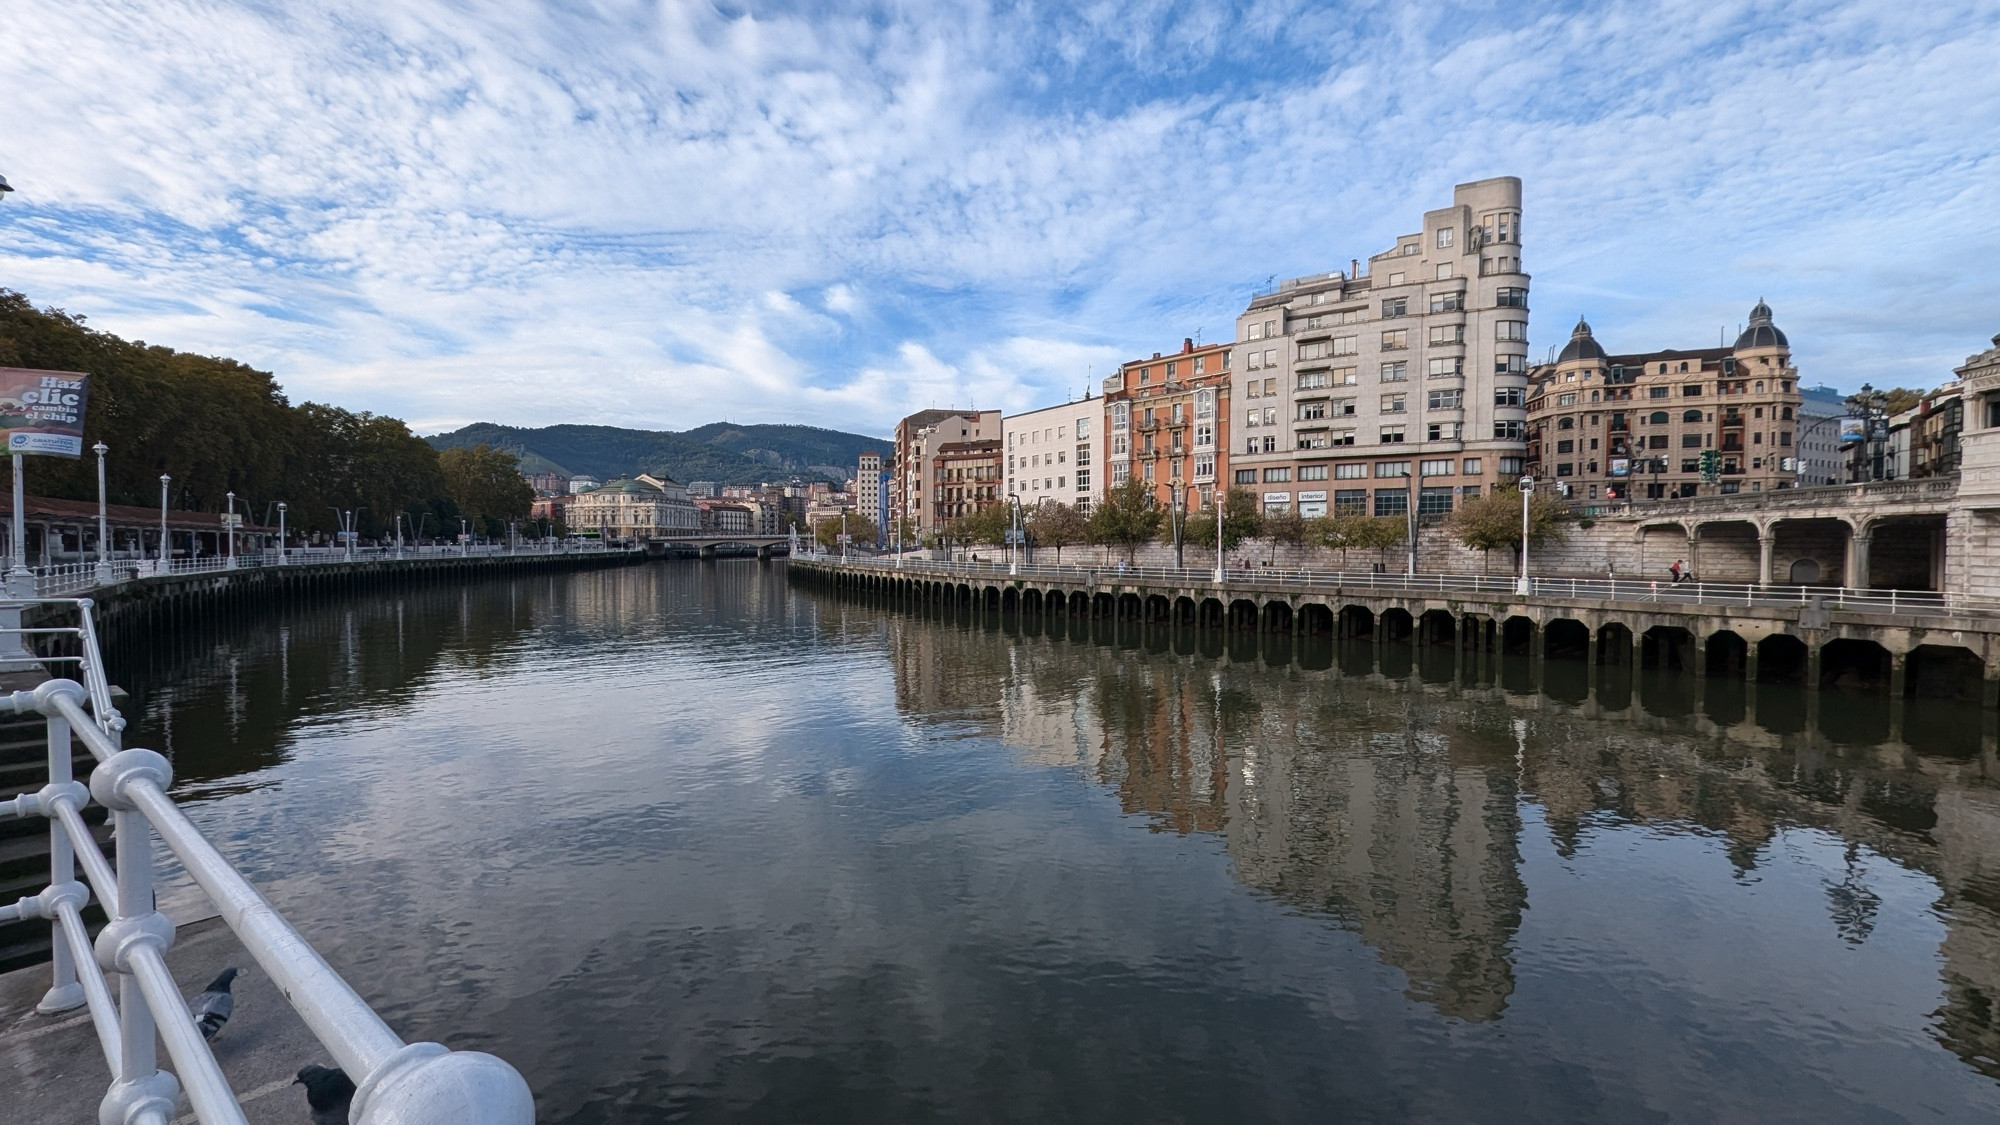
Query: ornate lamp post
point(281, 533)
point(1178, 513)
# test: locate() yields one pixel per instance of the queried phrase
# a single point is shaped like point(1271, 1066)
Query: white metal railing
point(1690, 593)
point(61, 579)
point(397, 1083)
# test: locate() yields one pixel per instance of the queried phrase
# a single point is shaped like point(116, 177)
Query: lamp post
point(1415, 490)
point(1527, 490)
point(281, 533)
point(1178, 513)
point(103, 523)
point(1221, 512)
point(229, 525)
point(465, 537)
point(20, 580)
point(1014, 539)
point(166, 549)
point(843, 535)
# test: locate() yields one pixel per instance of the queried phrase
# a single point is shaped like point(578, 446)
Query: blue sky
point(660, 214)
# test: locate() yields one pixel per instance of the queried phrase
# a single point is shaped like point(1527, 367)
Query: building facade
point(1053, 454)
point(1168, 423)
point(871, 492)
point(965, 477)
point(1670, 423)
point(1346, 386)
point(919, 439)
point(1823, 420)
point(641, 507)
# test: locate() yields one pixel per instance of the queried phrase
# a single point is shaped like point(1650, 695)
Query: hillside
point(720, 451)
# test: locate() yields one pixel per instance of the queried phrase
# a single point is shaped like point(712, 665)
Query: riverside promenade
point(1895, 641)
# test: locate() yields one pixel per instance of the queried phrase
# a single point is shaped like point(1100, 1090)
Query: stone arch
point(1010, 600)
point(1396, 624)
point(1944, 672)
point(1184, 610)
point(1727, 550)
point(1437, 627)
point(1781, 659)
point(1130, 607)
point(1244, 614)
point(1103, 605)
point(1356, 621)
point(1804, 572)
point(1159, 608)
point(1660, 543)
point(1079, 604)
point(1278, 616)
point(1668, 647)
point(1315, 619)
point(1566, 638)
point(1726, 653)
point(1614, 643)
point(1517, 636)
point(1854, 664)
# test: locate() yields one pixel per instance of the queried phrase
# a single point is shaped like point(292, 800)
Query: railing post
point(65, 991)
point(142, 1091)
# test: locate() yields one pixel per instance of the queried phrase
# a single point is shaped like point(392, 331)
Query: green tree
point(986, 524)
point(860, 529)
point(486, 484)
point(1240, 520)
point(1351, 531)
point(1494, 521)
point(1055, 524)
point(1127, 517)
point(1283, 528)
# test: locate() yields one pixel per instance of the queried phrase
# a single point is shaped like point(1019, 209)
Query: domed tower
point(1762, 344)
point(1582, 353)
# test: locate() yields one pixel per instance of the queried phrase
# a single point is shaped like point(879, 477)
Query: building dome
point(1761, 333)
point(1582, 345)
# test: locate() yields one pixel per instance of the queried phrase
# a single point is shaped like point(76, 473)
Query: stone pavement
point(54, 1073)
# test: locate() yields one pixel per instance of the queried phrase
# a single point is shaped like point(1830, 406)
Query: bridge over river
point(1898, 641)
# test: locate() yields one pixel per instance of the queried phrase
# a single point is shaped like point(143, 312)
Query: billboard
point(42, 411)
point(1621, 467)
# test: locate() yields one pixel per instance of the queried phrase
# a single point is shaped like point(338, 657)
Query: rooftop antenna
point(1197, 337)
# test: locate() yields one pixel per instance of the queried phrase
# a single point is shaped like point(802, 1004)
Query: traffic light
point(1711, 466)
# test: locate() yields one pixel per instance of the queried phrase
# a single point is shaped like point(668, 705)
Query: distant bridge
point(709, 544)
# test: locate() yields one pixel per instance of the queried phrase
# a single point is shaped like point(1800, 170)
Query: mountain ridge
point(725, 452)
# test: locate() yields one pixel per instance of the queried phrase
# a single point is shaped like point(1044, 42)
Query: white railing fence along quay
point(397, 1083)
point(60, 579)
point(1690, 593)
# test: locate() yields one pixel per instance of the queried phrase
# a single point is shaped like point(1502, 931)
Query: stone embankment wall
point(132, 611)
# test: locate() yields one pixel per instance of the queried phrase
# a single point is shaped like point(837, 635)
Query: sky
point(661, 214)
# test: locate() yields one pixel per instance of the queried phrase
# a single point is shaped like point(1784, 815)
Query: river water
point(684, 843)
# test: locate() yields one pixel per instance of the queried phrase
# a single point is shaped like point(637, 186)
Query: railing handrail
point(1689, 591)
point(396, 1082)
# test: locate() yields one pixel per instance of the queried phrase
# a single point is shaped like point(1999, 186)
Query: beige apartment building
point(1054, 454)
point(1638, 426)
point(1361, 391)
point(919, 440)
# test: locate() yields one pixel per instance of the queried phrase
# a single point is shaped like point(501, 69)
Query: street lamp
point(1178, 513)
point(1527, 491)
point(1221, 511)
point(103, 524)
point(166, 550)
point(1414, 491)
point(1014, 539)
point(281, 532)
point(229, 525)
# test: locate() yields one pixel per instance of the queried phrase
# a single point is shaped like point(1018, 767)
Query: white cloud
point(662, 214)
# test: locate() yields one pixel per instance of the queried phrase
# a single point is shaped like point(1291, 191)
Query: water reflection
point(688, 844)
point(1382, 786)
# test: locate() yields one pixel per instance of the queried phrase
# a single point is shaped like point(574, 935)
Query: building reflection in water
point(1387, 790)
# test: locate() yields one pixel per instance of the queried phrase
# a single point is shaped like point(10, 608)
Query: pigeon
point(211, 1007)
point(328, 1091)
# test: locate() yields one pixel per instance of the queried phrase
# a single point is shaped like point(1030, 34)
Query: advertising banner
point(42, 411)
point(1620, 466)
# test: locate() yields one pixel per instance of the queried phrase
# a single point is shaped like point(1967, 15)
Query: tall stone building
point(1356, 387)
point(871, 492)
point(1168, 421)
point(1641, 425)
point(919, 439)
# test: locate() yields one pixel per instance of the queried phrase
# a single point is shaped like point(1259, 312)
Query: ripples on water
point(683, 843)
